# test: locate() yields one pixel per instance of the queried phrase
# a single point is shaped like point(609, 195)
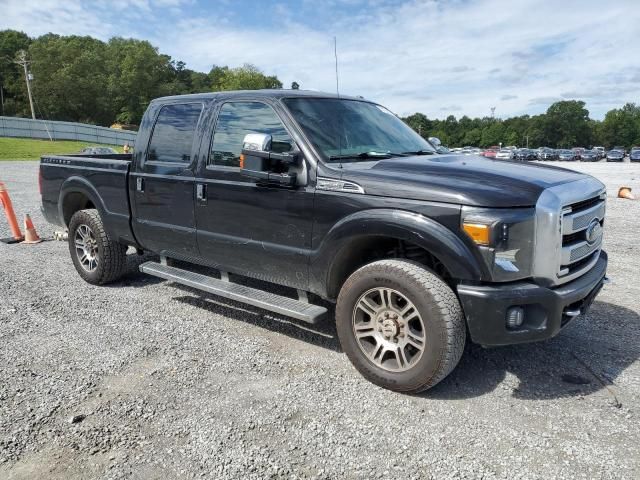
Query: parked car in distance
point(634, 155)
point(489, 153)
point(520, 154)
point(615, 156)
point(620, 149)
point(602, 152)
point(419, 251)
point(525, 155)
point(547, 154)
point(566, 155)
point(97, 150)
point(471, 151)
point(589, 156)
point(505, 154)
point(578, 151)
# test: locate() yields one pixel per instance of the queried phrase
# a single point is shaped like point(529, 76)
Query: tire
point(440, 318)
point(97, 257)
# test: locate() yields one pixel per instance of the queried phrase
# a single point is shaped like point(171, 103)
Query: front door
point(163, 184)
point(263, 231)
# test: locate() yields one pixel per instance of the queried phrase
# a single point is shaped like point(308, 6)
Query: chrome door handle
point(140, 184)
point(201, 192)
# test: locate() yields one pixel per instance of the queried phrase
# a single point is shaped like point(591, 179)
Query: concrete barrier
point(45, 129)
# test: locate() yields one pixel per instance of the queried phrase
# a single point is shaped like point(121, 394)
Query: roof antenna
point(335, 54)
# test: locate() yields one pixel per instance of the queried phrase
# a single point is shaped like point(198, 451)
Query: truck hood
point(464, 180)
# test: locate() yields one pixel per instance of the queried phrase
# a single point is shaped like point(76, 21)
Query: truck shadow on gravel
point(321, 335)
point(133, 277)
point(584, 358)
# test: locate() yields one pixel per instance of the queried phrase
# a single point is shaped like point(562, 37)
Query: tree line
point(82, 79)
point(565, 124)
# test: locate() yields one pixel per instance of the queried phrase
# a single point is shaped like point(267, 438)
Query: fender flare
point(412, 227)
point(79, 185)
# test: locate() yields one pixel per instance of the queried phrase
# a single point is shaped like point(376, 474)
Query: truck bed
point(90, 181)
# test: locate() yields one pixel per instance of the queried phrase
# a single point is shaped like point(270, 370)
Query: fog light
point(515, 317)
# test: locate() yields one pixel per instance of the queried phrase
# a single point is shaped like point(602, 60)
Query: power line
point(44, 119)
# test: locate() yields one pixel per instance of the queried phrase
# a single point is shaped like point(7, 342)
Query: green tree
point(12, 80)
point(492, 134)
point(137, 75)
point(247, 77)
point(622, 126)
point(472, 137)
point(567, 124)
point(84, 79)
point(70, 78)
point(420, 123)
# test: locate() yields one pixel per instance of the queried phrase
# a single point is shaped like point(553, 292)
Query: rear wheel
point(400, 325)
point(97, 257)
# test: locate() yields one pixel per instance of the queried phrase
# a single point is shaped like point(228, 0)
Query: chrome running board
point(289, 307)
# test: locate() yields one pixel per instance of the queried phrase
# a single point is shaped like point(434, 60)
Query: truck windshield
point(353, 130)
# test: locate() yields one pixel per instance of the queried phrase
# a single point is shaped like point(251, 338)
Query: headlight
point(505, 238)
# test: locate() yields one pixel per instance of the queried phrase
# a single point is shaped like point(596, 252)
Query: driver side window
point(235, 120)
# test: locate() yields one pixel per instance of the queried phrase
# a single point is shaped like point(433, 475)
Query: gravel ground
point(146, 379)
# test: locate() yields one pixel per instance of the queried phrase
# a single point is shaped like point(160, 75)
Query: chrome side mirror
point(258, 162)
point(435, 141)
point(257, 142)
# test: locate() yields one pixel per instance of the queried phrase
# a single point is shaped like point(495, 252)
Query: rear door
point(163, 183)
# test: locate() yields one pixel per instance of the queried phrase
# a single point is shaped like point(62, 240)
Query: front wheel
point(400, 325)
point(97, 257)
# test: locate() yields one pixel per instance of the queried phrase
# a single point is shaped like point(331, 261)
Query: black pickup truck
point(336, 197)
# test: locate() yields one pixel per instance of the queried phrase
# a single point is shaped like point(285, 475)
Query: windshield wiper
point(420, 152)
point(366, 155)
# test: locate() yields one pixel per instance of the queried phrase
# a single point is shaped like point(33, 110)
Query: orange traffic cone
point(625, 192)
point(5, 201)
point(30, 235)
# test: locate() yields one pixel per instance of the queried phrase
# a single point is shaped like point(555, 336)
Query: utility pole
point(2, 98)
point(22, 60)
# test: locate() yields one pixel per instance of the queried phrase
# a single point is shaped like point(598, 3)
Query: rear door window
point(173, 132)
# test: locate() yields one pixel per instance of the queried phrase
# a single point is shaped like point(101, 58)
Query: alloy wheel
point(388, 329)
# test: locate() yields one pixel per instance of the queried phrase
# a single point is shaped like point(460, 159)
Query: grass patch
point(32, 149)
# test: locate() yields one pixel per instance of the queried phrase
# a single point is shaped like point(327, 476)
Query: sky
point(438, 57)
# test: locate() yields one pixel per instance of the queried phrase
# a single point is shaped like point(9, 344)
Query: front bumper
point(545, 309)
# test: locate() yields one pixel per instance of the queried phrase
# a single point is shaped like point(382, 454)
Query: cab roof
point(266, 93)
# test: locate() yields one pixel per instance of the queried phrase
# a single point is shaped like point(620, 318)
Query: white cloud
point(473, 55)
point(423, 55)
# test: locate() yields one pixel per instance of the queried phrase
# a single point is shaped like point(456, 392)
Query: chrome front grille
point(568, 241)
point(575, 222)
point(579, 252)
point(581, 231)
